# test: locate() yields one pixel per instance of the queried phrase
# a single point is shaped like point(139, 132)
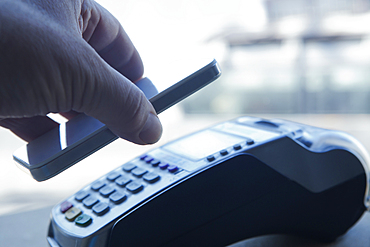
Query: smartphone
point(62, 147)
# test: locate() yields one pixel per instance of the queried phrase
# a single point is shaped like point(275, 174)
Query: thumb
point(117, 102)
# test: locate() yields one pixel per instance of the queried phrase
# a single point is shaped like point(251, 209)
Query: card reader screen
point(202, 144)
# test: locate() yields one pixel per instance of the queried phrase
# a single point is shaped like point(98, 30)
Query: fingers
point(115, 101)
point(70, 74)
point(29, 128)
point(111, 97)
point(104, 33)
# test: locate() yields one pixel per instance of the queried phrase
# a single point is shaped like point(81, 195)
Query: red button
point(65, 206)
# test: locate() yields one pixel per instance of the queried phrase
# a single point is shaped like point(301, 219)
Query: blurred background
point(277, 56)
point(302, 60)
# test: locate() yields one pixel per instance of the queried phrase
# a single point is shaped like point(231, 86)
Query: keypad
point(131, 183)
point(114, 189)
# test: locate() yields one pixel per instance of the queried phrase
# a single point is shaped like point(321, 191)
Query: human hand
point(70, 57)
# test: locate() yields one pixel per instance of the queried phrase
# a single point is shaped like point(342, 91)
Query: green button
point(83, 220)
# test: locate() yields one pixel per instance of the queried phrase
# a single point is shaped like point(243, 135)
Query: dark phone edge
point(181, 90)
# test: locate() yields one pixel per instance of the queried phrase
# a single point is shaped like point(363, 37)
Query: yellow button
point(72, 213)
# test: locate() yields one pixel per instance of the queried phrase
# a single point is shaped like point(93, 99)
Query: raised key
point(72, 213)
point(173, 168)
point(101, 208)
point(90, 201)
point(155, 162)
point(113, 176)
point(128, 167)
point(65, 206)
point(83, 220)
point(123, 180)
point(163, 166)
point(139, 172)
point(117, 197)
point(107, 190)
point(81, 195)
point(151, 177)
point(98, 185)
point(134, 187)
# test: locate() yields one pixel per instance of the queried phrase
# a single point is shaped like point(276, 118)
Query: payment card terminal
point(235, 180)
